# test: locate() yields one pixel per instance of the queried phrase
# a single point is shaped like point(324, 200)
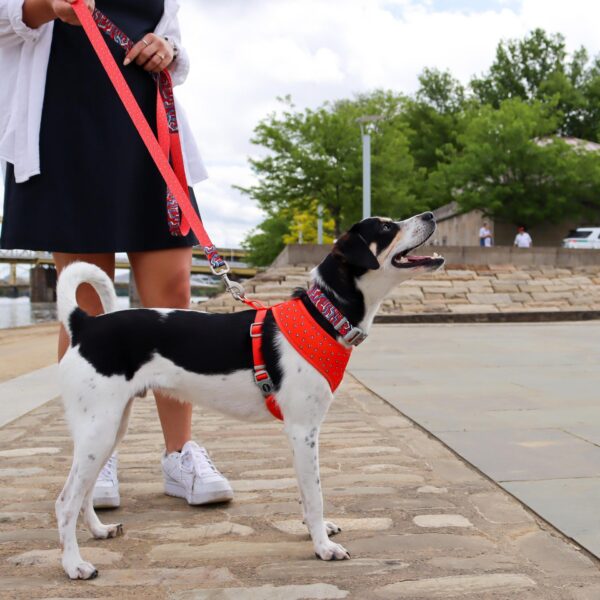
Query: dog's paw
point(115, 530)
point(331, 551)
point(332, 528)
point(108, 531)
point(82, 570)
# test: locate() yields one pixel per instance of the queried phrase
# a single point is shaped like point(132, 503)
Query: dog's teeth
point(435, 255)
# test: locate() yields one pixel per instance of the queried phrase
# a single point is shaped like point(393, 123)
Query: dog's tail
point(71, 278)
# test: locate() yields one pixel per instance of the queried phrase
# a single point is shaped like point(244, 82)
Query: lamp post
point(320, 224)
point(368, 124)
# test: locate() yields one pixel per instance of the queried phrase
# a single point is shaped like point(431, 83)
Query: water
point(19, 312)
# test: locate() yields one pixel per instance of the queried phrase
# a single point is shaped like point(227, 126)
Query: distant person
point(485, 236)
point(523, 239)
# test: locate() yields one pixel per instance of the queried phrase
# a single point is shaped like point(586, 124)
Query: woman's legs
point(87, 298)
point(163, 281)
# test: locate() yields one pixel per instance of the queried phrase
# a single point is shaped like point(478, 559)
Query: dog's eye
point(386, 227)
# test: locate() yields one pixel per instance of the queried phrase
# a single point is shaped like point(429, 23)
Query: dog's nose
point(428, 216)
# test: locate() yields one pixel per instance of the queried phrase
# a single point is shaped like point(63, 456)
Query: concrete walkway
point(419, 523)
point(520, 402)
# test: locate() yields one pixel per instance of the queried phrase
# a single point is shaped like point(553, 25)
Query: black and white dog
point(207, 359)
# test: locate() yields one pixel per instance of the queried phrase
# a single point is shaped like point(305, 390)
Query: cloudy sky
point(245, 53)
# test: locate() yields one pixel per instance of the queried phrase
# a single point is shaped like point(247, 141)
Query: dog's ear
point(353, 248)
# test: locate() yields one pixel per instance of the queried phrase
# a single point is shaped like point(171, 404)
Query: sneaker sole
point(113, 502)
point(208, 497)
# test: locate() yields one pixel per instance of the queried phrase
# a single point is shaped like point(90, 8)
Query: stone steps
point(458, 289)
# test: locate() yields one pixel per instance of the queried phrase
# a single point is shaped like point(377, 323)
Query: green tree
point(521, 68)
point(539, 68)
point(513, 169)
point(316, 154)
point(265, 242)
point(433, 117)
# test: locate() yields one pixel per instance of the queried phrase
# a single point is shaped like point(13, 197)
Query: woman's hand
point(152, 53)
point(63, 10)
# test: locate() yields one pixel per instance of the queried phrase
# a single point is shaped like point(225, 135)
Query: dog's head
point(384, 246)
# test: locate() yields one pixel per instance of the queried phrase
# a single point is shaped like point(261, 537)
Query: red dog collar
point(308, 338)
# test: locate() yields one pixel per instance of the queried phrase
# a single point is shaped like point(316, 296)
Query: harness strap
point(175, 186)
point(261, 376)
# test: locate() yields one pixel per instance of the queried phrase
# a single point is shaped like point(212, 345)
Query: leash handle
point(141, 124)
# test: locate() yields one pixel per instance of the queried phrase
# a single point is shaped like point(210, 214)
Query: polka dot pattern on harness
point(310, 340)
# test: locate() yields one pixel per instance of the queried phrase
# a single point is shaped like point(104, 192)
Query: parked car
point(586, 238)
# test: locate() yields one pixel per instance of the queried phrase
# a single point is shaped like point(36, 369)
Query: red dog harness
point(308, 338)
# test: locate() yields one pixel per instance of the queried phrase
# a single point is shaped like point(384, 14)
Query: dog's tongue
point(413, 258)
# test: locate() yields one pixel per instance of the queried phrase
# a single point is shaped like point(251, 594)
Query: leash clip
point(233, 287)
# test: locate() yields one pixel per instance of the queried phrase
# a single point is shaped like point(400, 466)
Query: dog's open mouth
point(404, 260)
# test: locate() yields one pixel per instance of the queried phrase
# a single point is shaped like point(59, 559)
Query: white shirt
point(24, 55)
point(484, 232)
point(523, 240)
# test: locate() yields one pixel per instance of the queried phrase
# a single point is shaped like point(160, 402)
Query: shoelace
point(109, 470)
point(197, 460)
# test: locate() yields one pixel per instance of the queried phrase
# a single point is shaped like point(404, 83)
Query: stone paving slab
point(26, 392)
point(418, 521)
point(570, 504)
point(520, 402)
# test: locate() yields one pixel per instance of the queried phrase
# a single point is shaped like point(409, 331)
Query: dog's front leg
point(304, 440)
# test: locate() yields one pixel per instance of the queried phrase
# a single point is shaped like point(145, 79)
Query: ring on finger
point(161, 56)
point(145, 42)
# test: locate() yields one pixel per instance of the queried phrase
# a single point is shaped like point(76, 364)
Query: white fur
point(97, 407)
point(71, 278)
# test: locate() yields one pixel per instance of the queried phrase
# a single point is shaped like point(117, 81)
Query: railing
point(199, 264)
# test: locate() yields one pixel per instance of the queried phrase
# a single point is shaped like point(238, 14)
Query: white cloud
point(245, 53)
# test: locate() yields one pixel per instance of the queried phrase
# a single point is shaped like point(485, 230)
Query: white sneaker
point(106, 489)
point(190, 474)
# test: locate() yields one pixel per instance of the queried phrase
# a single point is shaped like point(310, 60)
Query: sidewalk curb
point(509, 317)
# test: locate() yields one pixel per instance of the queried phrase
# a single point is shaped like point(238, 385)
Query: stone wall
point(552, 256)
point(484, 289)
point(457, 228)
point(458, 289)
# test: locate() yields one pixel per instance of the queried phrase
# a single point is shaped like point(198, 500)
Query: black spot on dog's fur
point(120, 343)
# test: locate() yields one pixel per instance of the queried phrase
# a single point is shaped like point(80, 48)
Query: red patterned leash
point(167, 133)
point(166, 122)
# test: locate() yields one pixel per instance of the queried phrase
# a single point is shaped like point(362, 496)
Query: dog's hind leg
point(95, 422)
point(90, 518)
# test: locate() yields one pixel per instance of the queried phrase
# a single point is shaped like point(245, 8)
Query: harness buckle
point(256, 329)
point(355, 336)
point(263, 380)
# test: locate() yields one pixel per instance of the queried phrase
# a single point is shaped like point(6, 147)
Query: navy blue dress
point(98, 190)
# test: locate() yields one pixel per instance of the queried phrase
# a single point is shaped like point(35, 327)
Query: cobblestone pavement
point(419, 523)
